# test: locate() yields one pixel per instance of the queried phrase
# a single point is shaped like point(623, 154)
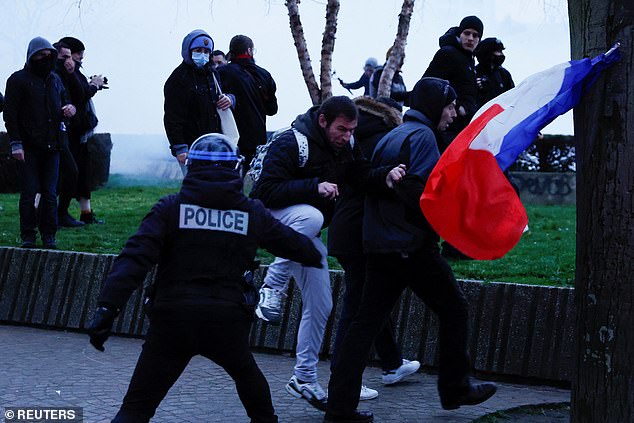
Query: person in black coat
point(254, 90)
point(376, 118)
point(36, 107)
point(364, 79)
point(192, 96)
point(403, 252)
point(81, 128)
point(492, 78)
point(203, 239)
point(455, 63)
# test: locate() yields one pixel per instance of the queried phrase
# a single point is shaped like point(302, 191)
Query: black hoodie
point(33, 104)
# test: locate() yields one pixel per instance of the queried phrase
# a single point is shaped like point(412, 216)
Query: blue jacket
point(393, 222)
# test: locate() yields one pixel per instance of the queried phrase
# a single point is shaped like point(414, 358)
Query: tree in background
point(398, 49)
point(318, 92)
point(603, 386)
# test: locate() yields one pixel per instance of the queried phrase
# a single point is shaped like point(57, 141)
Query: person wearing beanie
point(455, 63)
point(254, 89)
point(192, 96)
point(491, 77)
point(36, 110)
point(80, 129)
point(402, 251)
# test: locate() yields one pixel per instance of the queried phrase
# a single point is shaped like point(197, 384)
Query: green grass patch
point(545, 255)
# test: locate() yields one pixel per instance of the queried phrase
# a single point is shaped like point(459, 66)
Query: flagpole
point(613, 49)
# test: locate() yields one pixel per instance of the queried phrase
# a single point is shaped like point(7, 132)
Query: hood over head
point(39, 44)
point(187, 43)
point(430, 96)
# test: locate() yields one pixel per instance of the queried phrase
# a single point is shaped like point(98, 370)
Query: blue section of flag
point(578, 77)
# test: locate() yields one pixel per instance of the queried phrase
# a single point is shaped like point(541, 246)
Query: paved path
point(53, 368)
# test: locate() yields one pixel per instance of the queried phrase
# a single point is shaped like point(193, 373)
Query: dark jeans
point(173, 339)
point(385, 344)
point(431, 279)
point(38, 173)
point(67, 186)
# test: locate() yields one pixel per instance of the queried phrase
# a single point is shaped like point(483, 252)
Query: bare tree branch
point(398, 49)
point(327, 48)
point(302, 50)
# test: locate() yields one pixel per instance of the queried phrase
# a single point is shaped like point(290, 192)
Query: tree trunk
point(302, 51)
point(603, 387)
point(398, 49)
point(327, 47)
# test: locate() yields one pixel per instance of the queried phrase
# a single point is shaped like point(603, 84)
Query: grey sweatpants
point(313, 283)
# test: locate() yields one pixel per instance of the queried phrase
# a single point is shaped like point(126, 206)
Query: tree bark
point(398, 49)
point(603, 387)
point(302, 51)
point(327, 48)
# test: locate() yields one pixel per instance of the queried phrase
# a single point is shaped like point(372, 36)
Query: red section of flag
point(469, 201)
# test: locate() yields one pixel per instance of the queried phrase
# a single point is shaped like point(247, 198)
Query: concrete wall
point(551, 188)
point(518, 330)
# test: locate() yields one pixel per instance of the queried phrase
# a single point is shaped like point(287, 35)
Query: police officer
point(203, 238)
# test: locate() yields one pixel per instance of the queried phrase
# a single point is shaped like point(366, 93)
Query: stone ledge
point(521, 331)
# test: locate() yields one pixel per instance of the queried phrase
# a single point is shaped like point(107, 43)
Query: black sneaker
point(28, 243)
point(48, 242)
point(67, 221)
point(90, 219)
point(472, 394)
point(356, 417)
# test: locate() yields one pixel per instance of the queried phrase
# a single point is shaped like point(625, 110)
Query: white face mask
point(200, 59)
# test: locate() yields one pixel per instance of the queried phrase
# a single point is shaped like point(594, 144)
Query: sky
point(136, 44)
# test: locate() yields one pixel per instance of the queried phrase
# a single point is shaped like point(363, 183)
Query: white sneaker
point(310, 391)
point(269, 307)
point(407, 368)
point(368, 393)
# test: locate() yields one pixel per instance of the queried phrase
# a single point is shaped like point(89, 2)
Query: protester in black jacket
point(402, 252)
point(254, 89)
point(454, 62)
point(192, 97)
point(36, 105)
point(300, 186)
point(376, 118)
point(492, 78)
point(81, 128)
point(204, 239)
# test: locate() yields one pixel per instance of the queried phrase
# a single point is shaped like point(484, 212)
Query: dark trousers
point(431, 279)
point(67, 187)
point(38, 173)
point(173, 339)
point(385, 344)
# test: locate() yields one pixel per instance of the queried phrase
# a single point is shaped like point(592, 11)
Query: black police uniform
point(203, 239)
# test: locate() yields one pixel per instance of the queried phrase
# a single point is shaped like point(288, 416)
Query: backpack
point(255, 169)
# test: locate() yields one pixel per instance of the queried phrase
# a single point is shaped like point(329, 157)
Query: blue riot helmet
point(214, 150)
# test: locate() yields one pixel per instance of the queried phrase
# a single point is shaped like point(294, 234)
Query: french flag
point(467, 198)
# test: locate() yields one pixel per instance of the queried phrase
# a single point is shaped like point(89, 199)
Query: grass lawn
point(545, 255)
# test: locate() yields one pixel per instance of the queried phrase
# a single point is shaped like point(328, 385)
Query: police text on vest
point(196, 217)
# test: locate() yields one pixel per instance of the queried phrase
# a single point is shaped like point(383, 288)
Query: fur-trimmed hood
point(391, 116)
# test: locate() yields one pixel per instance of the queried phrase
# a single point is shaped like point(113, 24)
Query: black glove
point(99, 329)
